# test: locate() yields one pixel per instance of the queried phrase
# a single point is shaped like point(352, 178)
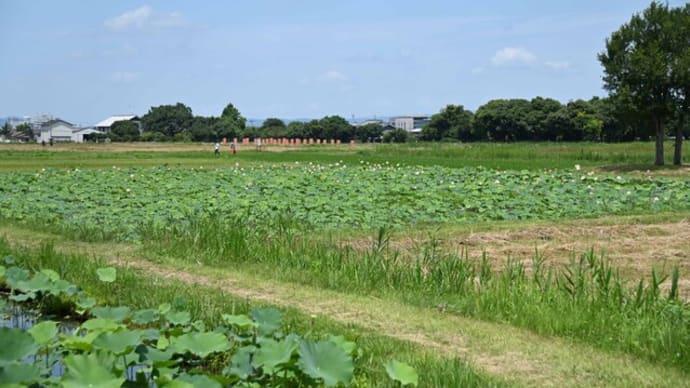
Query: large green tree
point(503, 120)
point(452, 122)
point(168, 119)
point(540, 110)
point(125, 130)
point(231, 123)
point(274, 127)
point(368, 132)
point(643, 65)
point(335, 127)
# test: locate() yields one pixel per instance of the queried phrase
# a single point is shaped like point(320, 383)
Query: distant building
point(367, 122)
point(104, 125)
point(61, 131)
point(81, 134)
point(412, 124)
point(58, 130)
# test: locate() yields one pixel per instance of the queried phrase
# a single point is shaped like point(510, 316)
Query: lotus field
point(119, 202)
point(364, 265)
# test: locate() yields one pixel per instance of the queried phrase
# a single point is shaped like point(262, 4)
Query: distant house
point(81, 135)
point(412, 124)
point(104, 125)
point(61, 131)
point(58, 130)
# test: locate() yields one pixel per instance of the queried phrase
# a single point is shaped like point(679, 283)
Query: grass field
point(567, 294)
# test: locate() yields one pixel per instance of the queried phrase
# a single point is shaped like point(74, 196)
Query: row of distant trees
point(646, 71)
point(538, 119)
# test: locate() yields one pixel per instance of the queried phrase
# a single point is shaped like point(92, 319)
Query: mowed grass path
point(515, 355)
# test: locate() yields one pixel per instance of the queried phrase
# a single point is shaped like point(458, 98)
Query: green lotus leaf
point(162, 343)
point(44, 333)
point(52, 275)
point(84, 303)
point(241, 321)
point(273, 353)
point(14, 275)
point(16, 344)
point(178, 317)
point(79, 342)
point(166, 374)
point(348, 346)
point(119, 342)
point(164, 308)
point(3, 271)
point(107, 275)
point(325, 360)
point(19, 373)
point(101, 325)
point(201, 344)
point(65, 287)
point(143, 317)
point(88, 371)
point(198, 381)
point(117, 314)
point(22, 297)
point(40, 282)
point(268, 320)
point(156, 356)
point(241, 362)
point(401, 372)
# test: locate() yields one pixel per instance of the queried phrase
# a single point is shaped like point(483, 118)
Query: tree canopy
point(168, 120)
point(645, 65)
point(125, 130)
point(452, 122)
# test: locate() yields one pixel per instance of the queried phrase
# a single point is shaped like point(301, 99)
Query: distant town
point(45, 128)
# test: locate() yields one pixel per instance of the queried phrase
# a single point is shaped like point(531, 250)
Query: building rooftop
point(110, 120)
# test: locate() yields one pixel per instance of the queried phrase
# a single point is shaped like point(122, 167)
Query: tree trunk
point(678, 149)
point(659, 124)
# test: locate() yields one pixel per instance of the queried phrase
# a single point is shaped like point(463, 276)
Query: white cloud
point(333, 75)
point(135, 18)
point(557, 65)
point(124, 77)
point(513, 56)
point(142, 17)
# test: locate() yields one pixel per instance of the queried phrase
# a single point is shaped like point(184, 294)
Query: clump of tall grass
point(586, 300)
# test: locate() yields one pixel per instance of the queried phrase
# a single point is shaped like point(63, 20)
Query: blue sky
point(86, 60)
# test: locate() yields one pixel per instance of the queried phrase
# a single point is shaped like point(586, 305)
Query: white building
point(78, 134)
point(61, 131)
point(412, 124)
point(57, 130)
point(104, 125)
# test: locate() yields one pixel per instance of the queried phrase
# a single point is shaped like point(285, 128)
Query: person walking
point(217, 149)
point(233, 148)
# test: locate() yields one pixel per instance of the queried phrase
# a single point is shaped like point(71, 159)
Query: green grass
point(140, 290)
point(512, 156)
point(587, 301)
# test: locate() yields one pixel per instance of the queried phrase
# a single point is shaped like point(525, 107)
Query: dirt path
point(517, 355)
